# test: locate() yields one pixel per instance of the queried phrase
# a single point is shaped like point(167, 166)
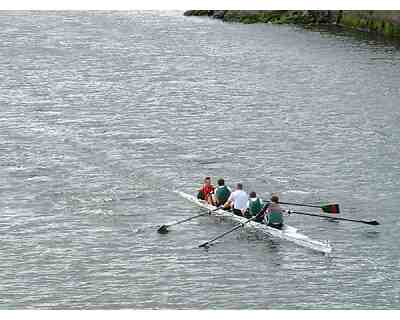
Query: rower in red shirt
point(206, 191)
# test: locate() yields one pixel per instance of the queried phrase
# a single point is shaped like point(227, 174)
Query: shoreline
point(380, 23)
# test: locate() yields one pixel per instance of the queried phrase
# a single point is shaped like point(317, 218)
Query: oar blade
point(204, 245)
point(373, 223)
point(163, 229)
point(331, 208)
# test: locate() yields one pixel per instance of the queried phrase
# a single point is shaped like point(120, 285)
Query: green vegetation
point(379, 23)
point(386, 23)
point(198, 13)
point(278, 17)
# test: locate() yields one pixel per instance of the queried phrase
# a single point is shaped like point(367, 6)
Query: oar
point(205, 244)
point(164, 228)
point(328, 208)
point(372, 222)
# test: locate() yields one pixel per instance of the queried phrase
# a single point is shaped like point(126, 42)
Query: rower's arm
point(229, 201)
point(264, 210)
point(227, 204)
point(286, 212)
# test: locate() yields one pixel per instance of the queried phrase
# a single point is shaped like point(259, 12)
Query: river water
point(104, 114)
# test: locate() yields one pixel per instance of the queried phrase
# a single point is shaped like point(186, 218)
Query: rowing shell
point(287, 233)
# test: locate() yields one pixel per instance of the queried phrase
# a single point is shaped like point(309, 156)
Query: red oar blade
point(331, 208)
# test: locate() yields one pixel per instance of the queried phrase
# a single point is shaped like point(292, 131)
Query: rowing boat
point(287, 233)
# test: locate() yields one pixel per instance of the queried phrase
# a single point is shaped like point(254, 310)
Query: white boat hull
point(287, 233)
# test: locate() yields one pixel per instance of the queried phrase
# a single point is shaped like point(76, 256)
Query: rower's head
point(253, 194)
point(221, 182)
point(239, 186)
point(207, 180)
point(274, 198)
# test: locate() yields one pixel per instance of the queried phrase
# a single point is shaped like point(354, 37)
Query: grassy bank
point(386, 23)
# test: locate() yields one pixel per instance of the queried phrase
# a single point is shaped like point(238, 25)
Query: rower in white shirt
point(238, 201)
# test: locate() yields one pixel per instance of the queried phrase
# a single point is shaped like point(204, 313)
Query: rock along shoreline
point(383, 23)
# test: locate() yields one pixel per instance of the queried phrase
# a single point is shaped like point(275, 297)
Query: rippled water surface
point(103, 114)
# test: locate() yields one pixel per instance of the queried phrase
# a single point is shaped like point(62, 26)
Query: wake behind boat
point(287, 233)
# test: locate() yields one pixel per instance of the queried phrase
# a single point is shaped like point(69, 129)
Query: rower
point(238, 200)
point(206, 191)
point(274, 213)
point(222, 193)
point(255, 205)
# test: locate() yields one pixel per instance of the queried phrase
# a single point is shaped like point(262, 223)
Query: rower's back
point(255, 204)
point(222, 192)
point(274, 216)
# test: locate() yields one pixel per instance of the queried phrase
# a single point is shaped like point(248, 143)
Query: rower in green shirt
point(222, 193)
point(274, 214)
point(255, 205)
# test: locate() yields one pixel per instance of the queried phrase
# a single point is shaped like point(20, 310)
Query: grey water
point(104, 114)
